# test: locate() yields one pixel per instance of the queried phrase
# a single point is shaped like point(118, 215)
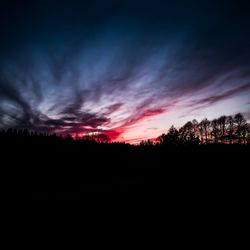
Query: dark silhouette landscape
point(111, 96)
point(198, 158)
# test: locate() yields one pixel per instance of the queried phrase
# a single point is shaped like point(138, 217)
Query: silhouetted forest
point(225, 130)
point(199, 157)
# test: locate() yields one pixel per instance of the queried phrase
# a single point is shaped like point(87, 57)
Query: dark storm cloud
point(74, 66)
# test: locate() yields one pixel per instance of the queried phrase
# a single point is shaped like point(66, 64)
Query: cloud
point(141, 115)
point(9, 92)
point(207, 101)
point(113, 108)
point(125, 69)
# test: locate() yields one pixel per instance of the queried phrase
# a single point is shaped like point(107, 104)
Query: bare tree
point(204, 126)
point(195, 128)
point(215, 130)
point(241, 127)
point(245, 132)
point(222, 126)
point(230, 128)
point(188, 135)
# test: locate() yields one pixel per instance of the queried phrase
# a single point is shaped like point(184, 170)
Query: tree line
point(224, 130)
point(12, 134)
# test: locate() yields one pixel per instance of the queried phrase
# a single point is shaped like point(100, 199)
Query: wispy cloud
point(124, 71)
point(207, 101)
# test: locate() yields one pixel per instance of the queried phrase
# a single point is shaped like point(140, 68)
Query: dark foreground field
point(67, 170)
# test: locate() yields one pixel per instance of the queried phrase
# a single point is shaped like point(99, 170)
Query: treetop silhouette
point(222, 130)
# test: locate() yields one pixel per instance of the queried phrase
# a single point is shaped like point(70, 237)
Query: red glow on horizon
point(124, 133)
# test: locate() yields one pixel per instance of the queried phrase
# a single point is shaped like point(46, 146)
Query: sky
point(129, 69)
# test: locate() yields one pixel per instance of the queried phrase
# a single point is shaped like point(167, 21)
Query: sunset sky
point(129, 69)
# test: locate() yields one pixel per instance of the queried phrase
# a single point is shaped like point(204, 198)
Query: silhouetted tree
point(230, 128)
point(146, 143)
point(215, 130)
point(101, 138)
point(195, 127)
point(204, 127)
point(247, 141)
point(222, 127)
point(245, 132)
point(96, 137)
point(241, 127)
point(225, 129)
point(171, 138)
point(188, 135)
point(68, 137)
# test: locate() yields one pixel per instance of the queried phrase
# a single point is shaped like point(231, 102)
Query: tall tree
point(171, 138)
point(187, 134)
point(215, 130)
point(204, 126)
point(222, 127)
point(245, 132)
point(230, 127)
point(195, 128)
point(241, 126)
